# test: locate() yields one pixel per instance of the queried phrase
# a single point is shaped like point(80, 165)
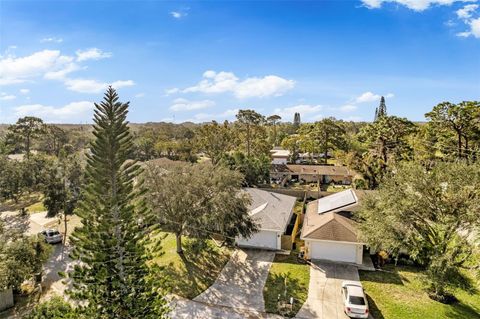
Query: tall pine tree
point(111, 279)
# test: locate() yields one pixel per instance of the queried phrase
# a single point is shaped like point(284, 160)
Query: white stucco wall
point(263, 239)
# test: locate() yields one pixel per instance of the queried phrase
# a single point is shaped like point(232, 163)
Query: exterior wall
point(279, 160)
point(263, 239)
point(335, 251)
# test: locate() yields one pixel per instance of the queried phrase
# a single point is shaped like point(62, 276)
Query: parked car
point(354, 300)
point(52, 236)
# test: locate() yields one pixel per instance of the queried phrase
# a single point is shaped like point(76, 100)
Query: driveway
point(185, 308)
point(240, 284)
point(31, 224)
point(324, 299)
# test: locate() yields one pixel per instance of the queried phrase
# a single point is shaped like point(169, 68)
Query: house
point(307, 157)
point(279, 156)
point(312, 173)
point(273, 213)
point(328, 231)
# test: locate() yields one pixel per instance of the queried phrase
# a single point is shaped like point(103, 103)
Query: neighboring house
point(328, 231)
point(312, 173)
point(273, 213)
point(280, 156)
point(304, 158)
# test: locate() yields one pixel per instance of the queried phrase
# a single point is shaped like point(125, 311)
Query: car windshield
point(355, 300)
point(53, 233)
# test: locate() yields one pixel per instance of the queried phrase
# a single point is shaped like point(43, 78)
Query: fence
point(6, 299)
point(299, 193)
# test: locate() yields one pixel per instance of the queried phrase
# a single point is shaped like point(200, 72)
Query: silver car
point(52, 236)
point(354, 300)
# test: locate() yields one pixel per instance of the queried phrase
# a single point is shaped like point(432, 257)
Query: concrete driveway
point(240, 284)
point(324, 299)
point(187, 309)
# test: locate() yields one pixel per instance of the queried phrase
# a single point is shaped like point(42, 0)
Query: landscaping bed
point(287, 270)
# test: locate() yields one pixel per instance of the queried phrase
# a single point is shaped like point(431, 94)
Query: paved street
point(240, 284)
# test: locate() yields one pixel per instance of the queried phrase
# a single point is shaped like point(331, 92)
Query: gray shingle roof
point(270, 210)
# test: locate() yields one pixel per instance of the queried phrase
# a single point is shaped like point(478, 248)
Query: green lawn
point(297, 277)
point(398, 293)
point(190, 274)
point(36, 207)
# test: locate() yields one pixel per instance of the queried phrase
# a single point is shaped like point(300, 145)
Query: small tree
point(249, 120)
point(430, 214)
point(215, 140)
point(197, 199)
point(26, 129)
point(273, 120)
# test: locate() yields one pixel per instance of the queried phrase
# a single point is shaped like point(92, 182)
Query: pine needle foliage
point(111, 279)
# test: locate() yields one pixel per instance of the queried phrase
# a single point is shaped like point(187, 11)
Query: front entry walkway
point(324, 299)
point(240, 284)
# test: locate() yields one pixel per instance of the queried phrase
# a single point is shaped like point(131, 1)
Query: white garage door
point(262, 239)
point(333, 251)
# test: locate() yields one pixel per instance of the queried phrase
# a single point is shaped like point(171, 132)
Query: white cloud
point(92, 54)
point(6, 97)
point(220, 82)
point(93, 86)
point(139, 95)
point(466, 11)
point(416, 5)
point(370, 97)
point(348, 108)
point(62, 73)
point(74, 112)
point(186, 105)
point(228, 114)
point(51, 39)
point(287, 113)
point(17, 70)
point(24, 91)
point(474, 29)
point(178, 14)
point(270, 85)
point(171, 91)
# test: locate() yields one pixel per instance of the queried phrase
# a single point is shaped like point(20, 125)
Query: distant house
point(328, 231)
point(273, 213)
point(312, 173)
point(280, 156)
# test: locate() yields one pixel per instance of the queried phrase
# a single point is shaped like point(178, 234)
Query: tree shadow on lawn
point(461, 310)
point(275, 287)
point(372, 306)
point(388, 275)
point(200, 265)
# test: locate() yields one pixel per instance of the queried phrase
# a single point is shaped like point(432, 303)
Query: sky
point(204, 60)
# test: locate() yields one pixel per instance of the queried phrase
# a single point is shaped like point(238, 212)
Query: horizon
point(202, 61)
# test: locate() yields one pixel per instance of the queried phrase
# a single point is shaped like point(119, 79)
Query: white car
point(354, 300)
point(52, 236)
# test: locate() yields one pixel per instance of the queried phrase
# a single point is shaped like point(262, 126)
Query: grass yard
point(190, 274)
point(297, 279)
point(398, 293)
point(36, 207)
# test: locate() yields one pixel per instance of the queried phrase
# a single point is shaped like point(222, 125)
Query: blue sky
point(204, 60)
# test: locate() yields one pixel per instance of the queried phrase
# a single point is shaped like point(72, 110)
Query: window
point(355, 300)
